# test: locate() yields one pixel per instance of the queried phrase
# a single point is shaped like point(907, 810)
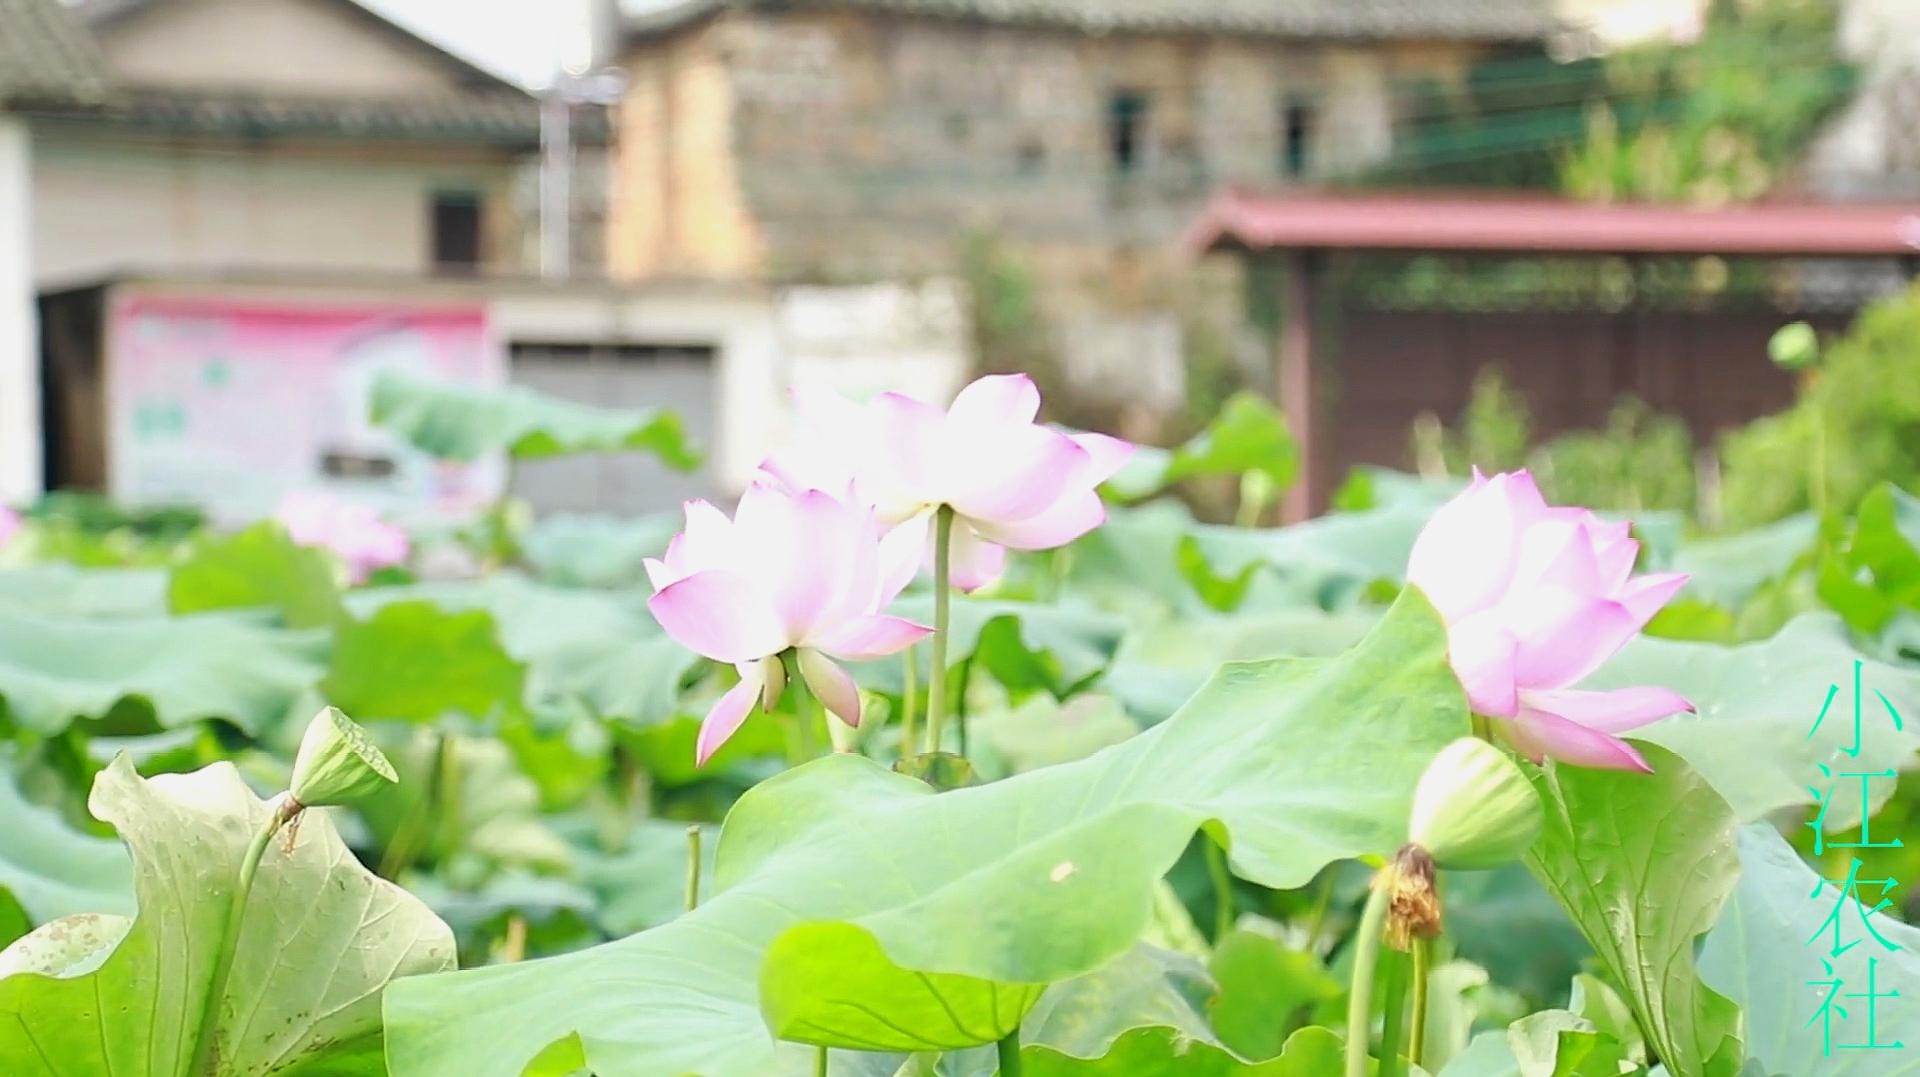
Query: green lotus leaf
point(413, 661)
point(586, 652)
point(462, 423)
point(321, 937)
point(989, 893)
point(1753, 737)
point(50, 869)
point(1164, 1052)
point(259, 566)
point(170, 671)
point(1248, 435)
point(1766, 952)
point(1642, 864)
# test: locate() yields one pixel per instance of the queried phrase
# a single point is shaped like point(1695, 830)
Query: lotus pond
point(959, 747)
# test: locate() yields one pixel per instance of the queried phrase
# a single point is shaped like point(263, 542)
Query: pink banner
point(229, 404)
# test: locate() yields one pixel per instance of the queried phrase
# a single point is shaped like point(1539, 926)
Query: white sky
point(521, 39)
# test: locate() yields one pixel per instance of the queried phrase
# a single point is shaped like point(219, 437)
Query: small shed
point(1384, 306)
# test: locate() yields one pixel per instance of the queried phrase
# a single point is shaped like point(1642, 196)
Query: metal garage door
point(680, 378)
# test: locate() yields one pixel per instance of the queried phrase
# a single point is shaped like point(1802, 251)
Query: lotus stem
point(1366, 958)
point(1422, 969)
point(1817, 491)
point(1010, 1054)
point(1256, 493)
point(1393, 1028)
point(693, 867)
point(909, 702)
point(963, 677)
point(281, 809)
point(802, 745)
point(1318, 918)
point(1059, 565)
point(1222, 890)
point(446, 792)
point(514, 948)
point(820, 1062)
point(937, 669)
point(420, 821)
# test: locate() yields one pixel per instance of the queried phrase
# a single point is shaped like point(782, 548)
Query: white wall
point(858, 340)
point(866, 339)
point(19, 365)
point(738, 323)
point(105, 205)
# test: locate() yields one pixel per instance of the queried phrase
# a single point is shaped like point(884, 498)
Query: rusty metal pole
point(1293, 376)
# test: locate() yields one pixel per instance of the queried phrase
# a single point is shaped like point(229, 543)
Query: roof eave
point(1246, 223)
point(666, 21)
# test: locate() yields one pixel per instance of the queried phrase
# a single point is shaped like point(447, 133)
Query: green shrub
point(1640, 460)
point(1493, 433)
point(1856, 424)
point(1718, 120)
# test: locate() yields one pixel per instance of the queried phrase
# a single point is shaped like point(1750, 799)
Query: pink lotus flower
point(355, 533)
point(1010, 481)
point(1535, 599)
point(804, 572)
point(9, 524)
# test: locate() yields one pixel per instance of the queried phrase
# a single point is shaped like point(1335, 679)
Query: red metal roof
point(1248, 221)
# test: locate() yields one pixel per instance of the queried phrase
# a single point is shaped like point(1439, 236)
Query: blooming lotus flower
point(355, 533)
point(1535, 599)
point(803, 572)
point(1010, 481)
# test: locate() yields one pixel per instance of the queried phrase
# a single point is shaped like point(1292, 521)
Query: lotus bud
point(1473, 808)
point(337, 763)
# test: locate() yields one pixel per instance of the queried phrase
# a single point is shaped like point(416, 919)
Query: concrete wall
point(105, 202)
point(19, 348)
point(302, 46)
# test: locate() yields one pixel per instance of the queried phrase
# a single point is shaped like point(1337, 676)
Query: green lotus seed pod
point(337, 762)
point(1473, 808)
point(1794, 346)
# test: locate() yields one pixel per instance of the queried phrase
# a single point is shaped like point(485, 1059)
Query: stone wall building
point(866, 139)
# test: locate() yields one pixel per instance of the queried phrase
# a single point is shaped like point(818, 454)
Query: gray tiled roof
point(46, 55)
point(1491, 20)
point(504, 119)
point(51, 68)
